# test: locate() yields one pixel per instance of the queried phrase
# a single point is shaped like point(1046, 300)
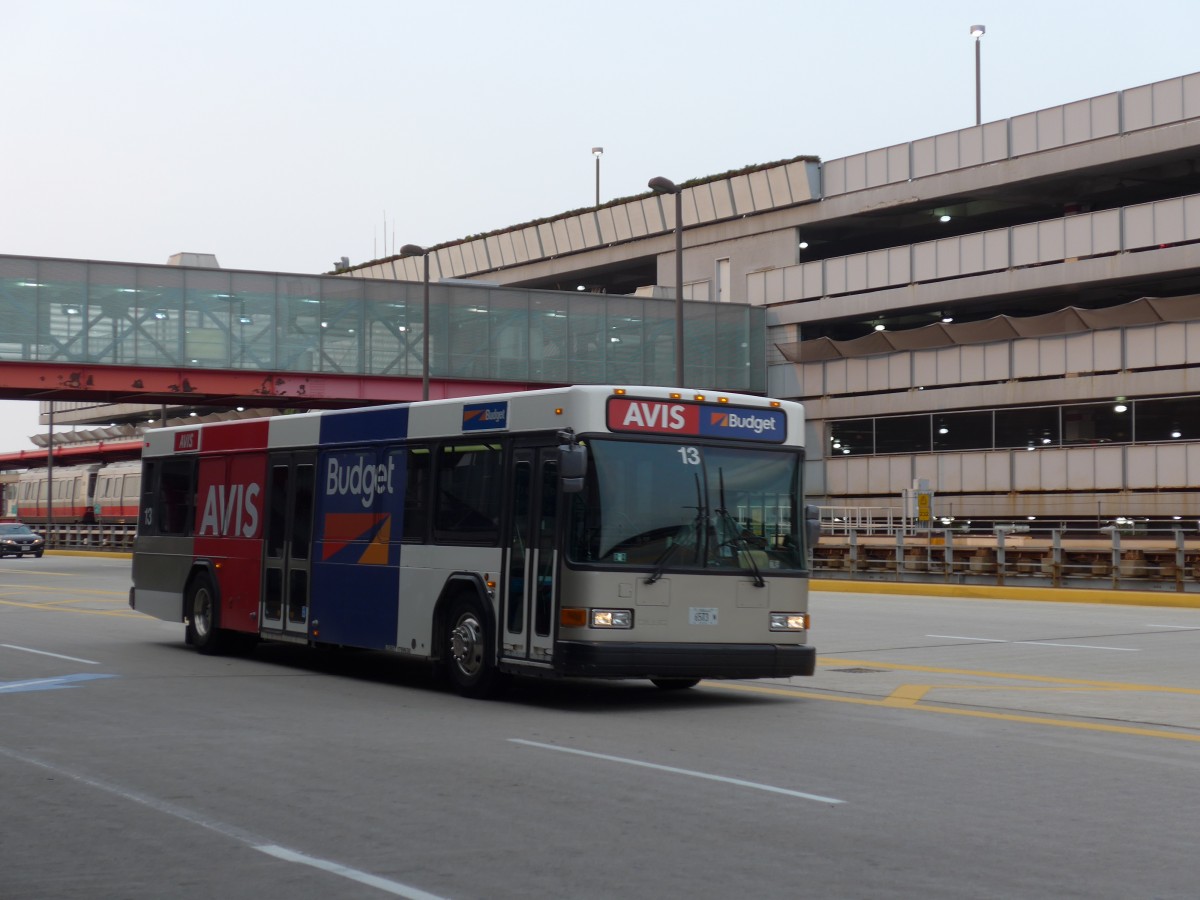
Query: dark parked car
point(20, 539)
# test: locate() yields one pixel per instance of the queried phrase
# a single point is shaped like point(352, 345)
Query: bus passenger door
point(287, 552)
point(531, 589)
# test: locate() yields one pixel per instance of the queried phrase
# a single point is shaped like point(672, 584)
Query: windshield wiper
point(737, 540)
point(660, 564)
point(698, 523)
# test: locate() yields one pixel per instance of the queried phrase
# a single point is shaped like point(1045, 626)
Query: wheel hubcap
point(202, 613)
point(466, 645)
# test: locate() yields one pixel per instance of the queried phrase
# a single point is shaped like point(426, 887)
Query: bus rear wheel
point(203, 628)
point(470, 663)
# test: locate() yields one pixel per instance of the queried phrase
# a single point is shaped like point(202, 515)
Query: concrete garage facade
point(1005, 314)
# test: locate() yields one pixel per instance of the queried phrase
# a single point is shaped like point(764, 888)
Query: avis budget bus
point(589, 531)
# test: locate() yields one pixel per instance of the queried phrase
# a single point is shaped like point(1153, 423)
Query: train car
point(74, 492)
point(117, 490)
point(8, 496)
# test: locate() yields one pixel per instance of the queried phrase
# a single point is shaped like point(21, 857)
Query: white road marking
point(1183, 627)
point(90, 662)
point(230, 831)
point(674, 771)
point(383, 884)
point(1077, 646)
point(959, 637)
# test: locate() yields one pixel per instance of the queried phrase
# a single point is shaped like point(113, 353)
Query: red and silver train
point(83, 494)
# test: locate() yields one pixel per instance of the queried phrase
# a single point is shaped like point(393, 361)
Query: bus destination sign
point(694, 419)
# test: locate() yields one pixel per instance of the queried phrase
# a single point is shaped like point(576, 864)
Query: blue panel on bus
point(355, 606)
point(356, 551)
point(747, 424)
point(485, 416)
point(361, 425)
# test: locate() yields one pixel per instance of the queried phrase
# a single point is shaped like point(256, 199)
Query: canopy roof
point(1072, 320)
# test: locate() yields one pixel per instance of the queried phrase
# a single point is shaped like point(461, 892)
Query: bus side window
point(416, 493)
point(469, 492)
point(146, 522)
point(175, 499)
point(277, 511)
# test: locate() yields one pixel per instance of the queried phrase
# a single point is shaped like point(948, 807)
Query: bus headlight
point(789, 621)
point(612, 618)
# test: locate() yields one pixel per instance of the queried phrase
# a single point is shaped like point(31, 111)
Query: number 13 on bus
point(574, 532)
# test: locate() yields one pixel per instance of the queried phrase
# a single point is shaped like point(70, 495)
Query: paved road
point(945, 749)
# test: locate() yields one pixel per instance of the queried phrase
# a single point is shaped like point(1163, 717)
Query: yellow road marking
point(1007, 592)
point(1012, 676)
point(907, 694)
point(60, 590)
point(954, 711)
point(48, 607)
point(41, 572)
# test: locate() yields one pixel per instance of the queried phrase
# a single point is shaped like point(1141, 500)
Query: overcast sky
point(281, 136)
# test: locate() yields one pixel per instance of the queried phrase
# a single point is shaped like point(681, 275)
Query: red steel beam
point(104, 451)
point(226, 387)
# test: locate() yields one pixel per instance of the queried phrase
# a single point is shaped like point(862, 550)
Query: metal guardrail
point(1166, 561)
point(115, 538)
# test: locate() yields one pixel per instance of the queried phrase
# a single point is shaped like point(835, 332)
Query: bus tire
point(674, 684)
point(467, 650)
point(203, 627)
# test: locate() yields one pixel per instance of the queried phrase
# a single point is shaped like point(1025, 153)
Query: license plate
point(702, 615)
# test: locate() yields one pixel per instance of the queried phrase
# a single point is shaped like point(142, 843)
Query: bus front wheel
point(470, 663)
point(203, 631)
point(674, 684)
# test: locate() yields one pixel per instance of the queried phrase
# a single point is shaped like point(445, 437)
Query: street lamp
point(977, 31)
point(662, 185)
point(597, 152)
point(414, 250)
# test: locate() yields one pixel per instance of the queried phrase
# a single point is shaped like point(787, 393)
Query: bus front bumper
point(622, 660)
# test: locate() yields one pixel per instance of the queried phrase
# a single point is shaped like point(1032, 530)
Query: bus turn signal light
point(571, 617)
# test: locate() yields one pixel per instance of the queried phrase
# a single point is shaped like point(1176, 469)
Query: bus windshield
point(679, 506)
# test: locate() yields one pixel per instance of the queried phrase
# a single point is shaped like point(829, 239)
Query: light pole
point(414, 250)
point(597, 152)
point(662, 185)
point(977, 31)
point(50, 482)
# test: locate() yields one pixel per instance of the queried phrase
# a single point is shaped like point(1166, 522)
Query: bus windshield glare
point(682, 506)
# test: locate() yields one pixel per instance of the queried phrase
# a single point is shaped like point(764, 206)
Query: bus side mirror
point(572, 467)
point(812, 526)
